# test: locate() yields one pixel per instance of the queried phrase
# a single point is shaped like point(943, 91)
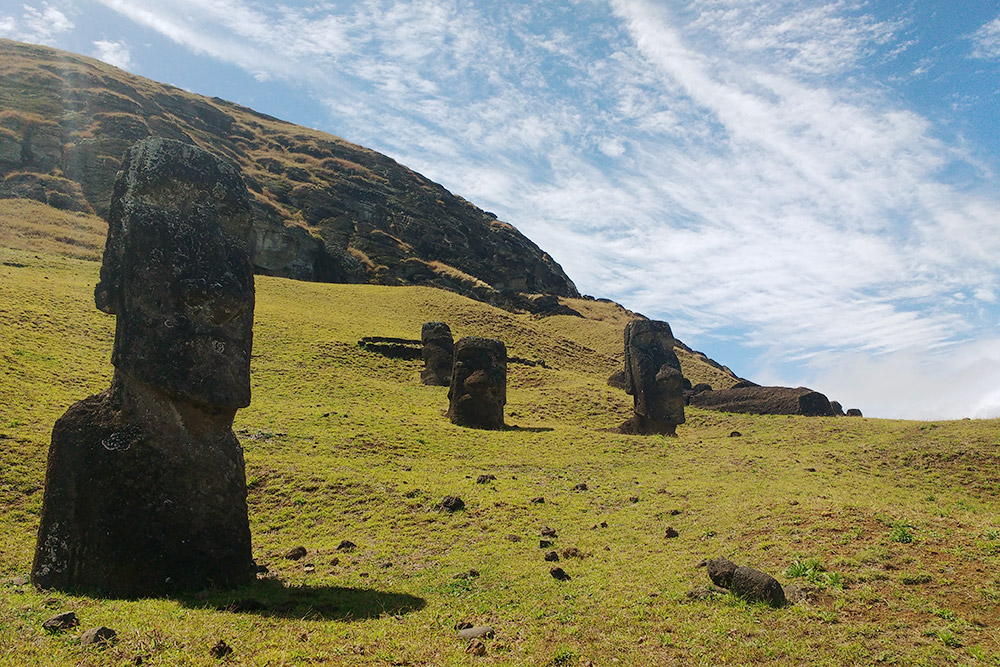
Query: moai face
point(177, 274)
point(478, 390)
point(652, 372)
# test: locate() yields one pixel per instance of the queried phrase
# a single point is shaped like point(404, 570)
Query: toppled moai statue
point(145, 490)
point(653, 378)
point(746, 582)
point(759, 400)
point(438, 353)
point(478, 389)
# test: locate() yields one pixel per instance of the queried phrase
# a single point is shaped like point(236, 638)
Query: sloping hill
point(889, 527)
point(326, 209)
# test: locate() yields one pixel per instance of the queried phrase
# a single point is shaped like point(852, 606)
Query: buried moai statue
point(438, 353)
point(145, 490)
point(478, 389)
point(653, 378)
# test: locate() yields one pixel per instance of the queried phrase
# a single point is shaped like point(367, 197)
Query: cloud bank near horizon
point(741, 169)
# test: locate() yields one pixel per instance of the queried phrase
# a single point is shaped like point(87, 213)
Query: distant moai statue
point(478, 389)
point(653, 377)
point(438, 354)
point(145, 490)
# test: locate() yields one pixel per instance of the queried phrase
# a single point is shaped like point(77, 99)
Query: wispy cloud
point(986, 41)
point(730, 165)
point(39, 25)
point(116, 53)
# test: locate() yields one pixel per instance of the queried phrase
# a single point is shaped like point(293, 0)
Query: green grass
point(344, 444)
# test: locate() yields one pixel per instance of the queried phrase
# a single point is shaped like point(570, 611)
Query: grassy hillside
point(892, 527)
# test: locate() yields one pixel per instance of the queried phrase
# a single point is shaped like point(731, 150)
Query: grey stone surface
point(653, 378)
point(478, 389)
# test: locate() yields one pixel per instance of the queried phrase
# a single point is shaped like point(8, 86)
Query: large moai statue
point(438, 353)
point(478, 389)
point(145, 490)
point(653, 377)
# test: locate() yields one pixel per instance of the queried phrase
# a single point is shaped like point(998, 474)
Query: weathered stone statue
point(438, 353)
point(653, 378)
point(145, 491)
point(478, 389)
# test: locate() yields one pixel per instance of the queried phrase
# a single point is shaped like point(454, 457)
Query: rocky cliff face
point(325, 209)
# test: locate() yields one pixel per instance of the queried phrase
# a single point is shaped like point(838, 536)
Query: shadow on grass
point(269, 597)
point(529, 429)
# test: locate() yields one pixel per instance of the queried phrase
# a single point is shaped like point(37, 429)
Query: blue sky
point(807, 191)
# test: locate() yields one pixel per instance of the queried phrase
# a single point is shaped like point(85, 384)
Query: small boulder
point(476, 647)
point(548, 532)
point(559, 574)
point(296, 554)
point(552, 557)
point(854, 412)
point(513, 538)
point(746, 582)
point(60, 622)
point(451, 504)
point(346, 545)
point(476, 632)
point(101, 637)
point(485, 479)
point(538, 500)
point(671, 533)
point(582, 486)
point(220, 650)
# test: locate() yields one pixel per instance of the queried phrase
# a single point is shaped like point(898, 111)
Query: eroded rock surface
point(438, 354)
point(145, 490)
point(746, 582)
point(478, 390)
point(653, 377)
point(765, 401)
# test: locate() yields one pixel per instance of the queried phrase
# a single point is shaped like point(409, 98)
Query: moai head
point(478, 383)
point(177, 273)
point(438, 353)
point(653, 373)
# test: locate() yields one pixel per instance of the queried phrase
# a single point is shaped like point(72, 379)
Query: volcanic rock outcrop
point(145, 490)
point(765, 401)
point(438, 354)
point(653, 378)
point(478, 389)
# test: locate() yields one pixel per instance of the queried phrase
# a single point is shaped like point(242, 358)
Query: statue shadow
point(529, 429)
point(271, 598)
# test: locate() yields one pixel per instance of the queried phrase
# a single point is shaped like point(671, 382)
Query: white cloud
point(986, 41)
point(729, 165)
point(36, 25)
point(114, 53)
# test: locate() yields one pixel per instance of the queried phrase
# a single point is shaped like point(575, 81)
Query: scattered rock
point(346, 545)
point(20, 581)
point(485, 479)
point(746, 582)
point(476, 647)
point(513, 538)
point(810, 469)
point(462, 625)
point(735, 434)
point(309, 568)
point(451, 504)
point(573, 552)
point(220, 650)
point(60, 622)
point(476, 632)
point(604, 524)
point(552, 557)
point(559, 573)
point(671, 533)
point(633, 499)
point(537, 500)
point(674, 512)
point(334, 561)
point(582, 486)
point(297, 553)
point(471, 574)
point(101, 636)
point(548, 532)
point(544, 544)
point(793, 503)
